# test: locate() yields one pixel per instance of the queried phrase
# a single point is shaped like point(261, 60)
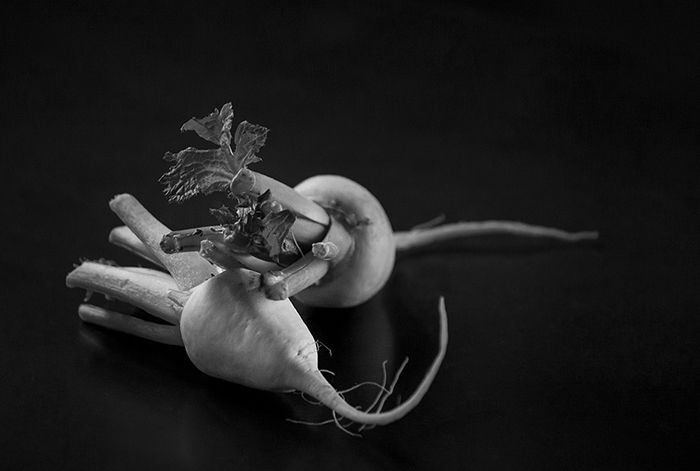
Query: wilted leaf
point(215, 127)
point(195, 171)
point(205, 171)
point(275, 230)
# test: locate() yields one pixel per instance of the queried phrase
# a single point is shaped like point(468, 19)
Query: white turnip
point(230, 329)
point(328, 241)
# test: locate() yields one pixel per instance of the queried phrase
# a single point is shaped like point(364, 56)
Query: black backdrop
point(582, 116)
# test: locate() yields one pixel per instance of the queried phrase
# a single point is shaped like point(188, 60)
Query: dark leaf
point(248, 140)
point(265, 232)
point(224, 215)
point(195, 171)
point(263, 197)
point(215, 128)
point(205, 171)
point(275, 230)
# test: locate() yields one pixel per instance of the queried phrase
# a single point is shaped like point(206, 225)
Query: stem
point(312, 267)
point(167, 334)
point(150, 272)
point(320, 389)
point(312, 219)
point(123, 237)
point(408, 240)
point(298, 276)
point(188, 269)
point(255, 263)
point(224, 257)
point(220, 254)
point(144, 291)
point(189, 240)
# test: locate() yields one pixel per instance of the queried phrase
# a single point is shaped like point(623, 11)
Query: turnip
point(328, 241)
point(230, 329)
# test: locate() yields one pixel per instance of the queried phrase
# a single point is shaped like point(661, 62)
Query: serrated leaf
point(215, 128)
point(248, 140)
point(195, 171)
point(205, 171)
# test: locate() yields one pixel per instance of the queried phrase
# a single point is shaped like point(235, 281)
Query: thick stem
point(312, 219)
point(144, 291)
point(306, 271)
point(123, 237)
point(167, 334)
point(189, 240)
point(255, 264)
point(151, 272)
point(312, 267)
point(320, 389)
point(408, 240)
point(220, 254)
point(188, 269)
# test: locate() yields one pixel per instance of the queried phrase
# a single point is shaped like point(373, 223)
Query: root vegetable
point(233, 332)
point(368, 261)
point(237, 334)
point(328, 241)
point(229, 328)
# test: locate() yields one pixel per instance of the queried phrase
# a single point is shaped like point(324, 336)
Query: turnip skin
point(369, 261)
point(231, 331)
point(229, 327)
point(237, 334)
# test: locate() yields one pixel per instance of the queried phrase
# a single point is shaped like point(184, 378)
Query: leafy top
point(195, 171)
point(260, 227)
point(256, 224)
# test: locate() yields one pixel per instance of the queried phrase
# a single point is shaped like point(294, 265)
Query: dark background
point(579, 115)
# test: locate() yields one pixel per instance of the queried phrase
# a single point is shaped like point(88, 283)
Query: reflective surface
point(560, 356)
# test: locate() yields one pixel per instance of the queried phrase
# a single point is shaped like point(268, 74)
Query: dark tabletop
point(582, 116)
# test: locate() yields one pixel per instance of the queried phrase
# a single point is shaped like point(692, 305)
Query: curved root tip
point(319, 388)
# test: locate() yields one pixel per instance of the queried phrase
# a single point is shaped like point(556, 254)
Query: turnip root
point(231, 331)
point(328, 241)
point(368, 261)
point(228, 326)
